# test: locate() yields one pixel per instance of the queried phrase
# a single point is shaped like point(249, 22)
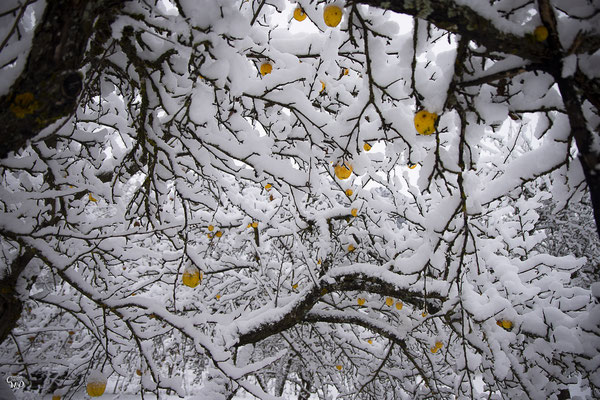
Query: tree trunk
point(10, 305)
point(48, 88)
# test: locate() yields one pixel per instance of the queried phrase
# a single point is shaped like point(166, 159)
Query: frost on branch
point(209, 227)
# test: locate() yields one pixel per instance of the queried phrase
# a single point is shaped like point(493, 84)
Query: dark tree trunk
point(10, 305)
point(48, 88)
point(564, 394)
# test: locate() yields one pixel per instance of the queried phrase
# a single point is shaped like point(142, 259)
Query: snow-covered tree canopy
point(312, 199)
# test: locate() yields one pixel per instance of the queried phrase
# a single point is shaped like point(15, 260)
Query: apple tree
point(216, 198)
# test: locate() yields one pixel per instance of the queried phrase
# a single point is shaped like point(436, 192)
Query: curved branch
point(295, 312)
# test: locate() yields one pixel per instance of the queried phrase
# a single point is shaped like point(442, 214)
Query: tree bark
point(10, 305)
point(48, 88)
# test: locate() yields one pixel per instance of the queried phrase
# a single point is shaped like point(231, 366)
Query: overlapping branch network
point(316, 255)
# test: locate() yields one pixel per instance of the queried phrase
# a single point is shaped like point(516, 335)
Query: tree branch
point(296, 313)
